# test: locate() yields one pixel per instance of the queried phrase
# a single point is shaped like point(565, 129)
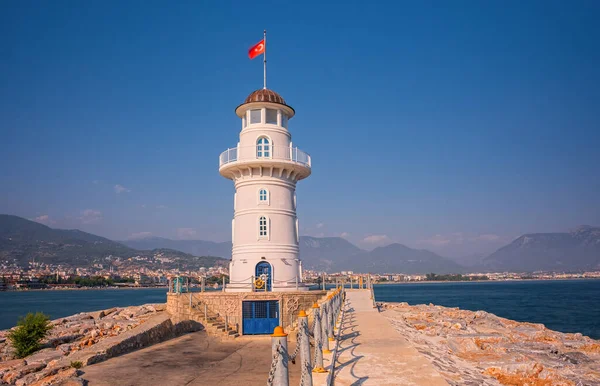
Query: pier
point(371, 352)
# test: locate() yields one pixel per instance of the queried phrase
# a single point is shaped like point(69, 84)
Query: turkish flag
point(257, 49)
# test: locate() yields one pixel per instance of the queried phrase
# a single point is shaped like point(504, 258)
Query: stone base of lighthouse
point(243, 310)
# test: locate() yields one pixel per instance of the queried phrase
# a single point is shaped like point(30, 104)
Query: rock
point(141, 311)
point(59, 378)
point(7, 365)
point(55, 342)
point(12, 376)
point(73, 381)
point(101, 314)
point(150, 307)
point(65, 348)
point(43, 356)
point(574, 357)
point(462, 344)
point(479, 348)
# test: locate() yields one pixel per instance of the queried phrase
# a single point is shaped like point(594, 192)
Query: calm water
point(568, 306)
point(68, 302)
point(562, 305)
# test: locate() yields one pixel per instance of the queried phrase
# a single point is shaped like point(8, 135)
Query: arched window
point(263, 229)
point(263, 196)
point(263, 148)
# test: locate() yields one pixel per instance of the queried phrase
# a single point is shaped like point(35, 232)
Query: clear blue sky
point(453, 126)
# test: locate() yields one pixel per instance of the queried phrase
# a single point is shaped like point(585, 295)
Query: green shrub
point(30, 330)
point(76, 364)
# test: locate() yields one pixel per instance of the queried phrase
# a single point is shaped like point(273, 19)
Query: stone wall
point(230, 304)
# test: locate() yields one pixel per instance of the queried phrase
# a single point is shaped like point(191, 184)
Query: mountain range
point(579, 249)
point(23, 241)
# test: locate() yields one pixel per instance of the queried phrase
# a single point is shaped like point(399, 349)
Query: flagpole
point(265, 60)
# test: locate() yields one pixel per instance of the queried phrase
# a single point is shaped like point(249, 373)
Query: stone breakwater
point(88, 338)
point(479, 348)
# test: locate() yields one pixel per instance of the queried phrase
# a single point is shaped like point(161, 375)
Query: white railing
point(247, 153)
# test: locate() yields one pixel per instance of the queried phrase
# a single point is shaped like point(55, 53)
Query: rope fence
point(321, 331)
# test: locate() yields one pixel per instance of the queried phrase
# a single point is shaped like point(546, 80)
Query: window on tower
point(284, 120)
point(255, 116)
point(263, 148)
point(262, 227)
point(263, 196)
point(244, 122)
point(271, 116)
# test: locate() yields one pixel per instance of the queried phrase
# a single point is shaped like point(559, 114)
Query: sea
point(562, 305)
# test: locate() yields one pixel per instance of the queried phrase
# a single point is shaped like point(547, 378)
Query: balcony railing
point(248, 153)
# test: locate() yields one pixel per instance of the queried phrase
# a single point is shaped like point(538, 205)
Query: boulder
point(43, 356)
point(7, 365)
point(59, 378)
point(12, 376)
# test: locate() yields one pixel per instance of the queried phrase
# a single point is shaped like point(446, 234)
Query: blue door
point(260, 317)
point(263, 270)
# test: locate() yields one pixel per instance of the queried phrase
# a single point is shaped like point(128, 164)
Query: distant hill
point(328, 254)
point(400, 258)
point(324, 253)
point(24, 241)
point(194, 247)
point(572, 251)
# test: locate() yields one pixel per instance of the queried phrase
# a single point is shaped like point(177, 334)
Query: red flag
point(257, 49)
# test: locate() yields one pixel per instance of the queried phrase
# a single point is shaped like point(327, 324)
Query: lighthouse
point(265, 167)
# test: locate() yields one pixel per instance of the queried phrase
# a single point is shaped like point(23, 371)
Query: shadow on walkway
point(348, 343)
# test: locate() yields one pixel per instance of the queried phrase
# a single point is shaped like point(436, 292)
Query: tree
point(30, 330)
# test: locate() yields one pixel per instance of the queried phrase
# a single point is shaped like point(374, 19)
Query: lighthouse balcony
point(286, 157)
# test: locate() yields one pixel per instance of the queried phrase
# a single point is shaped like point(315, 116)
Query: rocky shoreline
point(479, 348)
point(87, 338)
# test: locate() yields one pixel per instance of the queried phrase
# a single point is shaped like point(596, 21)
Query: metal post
point(265, 59)
point(330, 320)
point(317, 330)
point(187, 284)
point(325, 328)
point(223, 283)
point(205, 315)
point(304, 342)
point(203, 284)
point(279, 339)
point(190, 302)
point(169, 285)
point(323, 282)
point(296, 282)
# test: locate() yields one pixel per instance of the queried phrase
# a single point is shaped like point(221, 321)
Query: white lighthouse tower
point(265, 168)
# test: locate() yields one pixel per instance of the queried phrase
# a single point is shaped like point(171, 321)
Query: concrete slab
point(194, 359)
point(371, 352)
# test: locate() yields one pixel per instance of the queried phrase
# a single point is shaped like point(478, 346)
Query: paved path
point(193, 359)
point(372, 352)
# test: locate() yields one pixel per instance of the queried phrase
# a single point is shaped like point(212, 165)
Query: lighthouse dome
point(265, 95)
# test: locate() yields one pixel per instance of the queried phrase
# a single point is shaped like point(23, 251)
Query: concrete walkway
point(193, 359)
point(372, 352)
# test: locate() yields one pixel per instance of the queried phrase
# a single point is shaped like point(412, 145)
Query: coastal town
point(49, 276)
